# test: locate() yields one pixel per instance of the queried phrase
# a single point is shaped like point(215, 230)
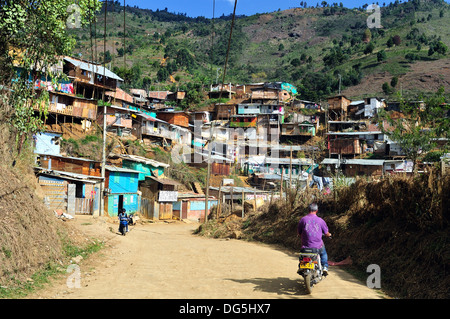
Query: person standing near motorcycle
point(123, 218)
point(310, 229)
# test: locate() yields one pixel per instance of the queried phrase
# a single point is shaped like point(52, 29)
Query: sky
point(194, 8)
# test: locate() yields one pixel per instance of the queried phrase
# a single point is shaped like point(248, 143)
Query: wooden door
point(165, 211)
point(184, 209)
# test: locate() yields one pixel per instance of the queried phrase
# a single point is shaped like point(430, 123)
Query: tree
point(386, 89)
point(438, 47)
point(108, 57)
point(295, 62)
point(369, 48)
point(411, 57)
point(381, 56)
point(367, 35)
point(394, 81)
point(335, 57)
point(413, 132)
point(397, 40)
point(162, 75)
point(34, 34)
point(184, 58)
point(390, 42)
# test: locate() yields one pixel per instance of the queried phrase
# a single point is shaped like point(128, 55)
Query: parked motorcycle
point(310, 268)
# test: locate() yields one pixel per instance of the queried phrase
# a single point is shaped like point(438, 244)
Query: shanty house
point(47, 143)
point(155, 129)
point(76, 165)
point(158, 196)
point(119, 120)
point(294, 129)
point(243, 121)
point(191, 206)
point(89, 77)
point(178, 118)
point(71, 193)
point(356, 167)
point(338, 107)
point(121, 190)
point(224, 111)
point(354, 143)
point(145, 166)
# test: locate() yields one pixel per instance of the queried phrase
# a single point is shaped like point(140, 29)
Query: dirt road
point(166, 261)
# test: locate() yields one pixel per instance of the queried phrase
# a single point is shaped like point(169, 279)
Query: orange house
point(179, 118)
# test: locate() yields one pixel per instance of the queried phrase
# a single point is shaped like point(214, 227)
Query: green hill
point(309, 47)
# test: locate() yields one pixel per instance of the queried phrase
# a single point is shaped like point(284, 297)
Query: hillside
point(308, 47)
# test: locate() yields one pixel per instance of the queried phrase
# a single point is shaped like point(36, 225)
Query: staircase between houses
point(198, 188)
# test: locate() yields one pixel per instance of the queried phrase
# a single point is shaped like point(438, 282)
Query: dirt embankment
point(30, 236)
point(399, 223)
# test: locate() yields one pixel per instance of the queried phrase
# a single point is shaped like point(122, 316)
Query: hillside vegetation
point(309, 47)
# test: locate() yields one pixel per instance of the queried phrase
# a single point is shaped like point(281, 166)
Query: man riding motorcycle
point(310, 230)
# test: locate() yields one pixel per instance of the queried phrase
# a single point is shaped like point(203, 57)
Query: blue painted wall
point(121, 182)
point(44, 144)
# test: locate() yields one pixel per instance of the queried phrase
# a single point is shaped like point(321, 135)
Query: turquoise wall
point(130, 203)
point(145, 169)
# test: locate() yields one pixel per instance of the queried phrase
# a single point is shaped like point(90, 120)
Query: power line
point(212, 38)
point(211, 127)
point(124, 29)
point(228, 49)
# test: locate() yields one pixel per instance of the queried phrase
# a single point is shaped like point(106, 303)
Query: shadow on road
point(280, 285)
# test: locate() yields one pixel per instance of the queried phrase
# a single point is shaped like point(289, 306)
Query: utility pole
point(290, 171)
point(209, 171)
point(102, 191)
point(340, 80)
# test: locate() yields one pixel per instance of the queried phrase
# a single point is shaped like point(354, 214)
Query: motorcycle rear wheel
point(308, 284)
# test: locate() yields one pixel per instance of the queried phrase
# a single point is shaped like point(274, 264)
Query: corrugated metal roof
point(69, 175)
point(236, 189)
point(353, 161)
point(120, 95)
point(98, 69)
point(355, 133)
point(120, 169)
point(296, 161)
point(69, 157)
point(144, 160)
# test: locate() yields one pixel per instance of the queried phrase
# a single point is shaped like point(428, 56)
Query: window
point(116, 177)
